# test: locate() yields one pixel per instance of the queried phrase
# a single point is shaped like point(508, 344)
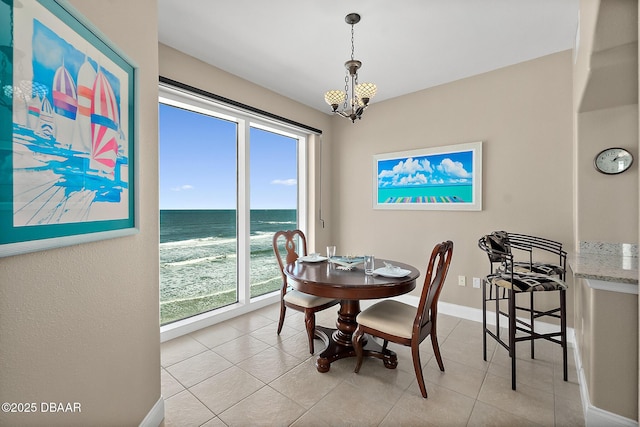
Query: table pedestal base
point(338, 348)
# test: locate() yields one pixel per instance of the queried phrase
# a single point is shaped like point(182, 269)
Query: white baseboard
point(155, 415)
point(475, 314)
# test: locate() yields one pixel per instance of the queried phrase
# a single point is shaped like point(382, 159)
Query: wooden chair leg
point(310, 323)
point(436, 350)
point(283, 310)
point(356, 341)
point(417, 366)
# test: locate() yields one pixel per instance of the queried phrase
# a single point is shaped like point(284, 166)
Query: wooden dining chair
point(291, 298)
point(404, 324)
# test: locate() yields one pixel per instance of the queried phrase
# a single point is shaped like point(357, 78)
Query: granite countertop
point(610, 262)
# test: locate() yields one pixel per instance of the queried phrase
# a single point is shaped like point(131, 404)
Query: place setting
point(390, 270)
point(350, 262)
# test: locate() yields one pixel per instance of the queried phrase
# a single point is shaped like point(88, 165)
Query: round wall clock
point(612, 161)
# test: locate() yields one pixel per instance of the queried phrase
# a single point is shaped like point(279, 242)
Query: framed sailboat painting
point(67, 130)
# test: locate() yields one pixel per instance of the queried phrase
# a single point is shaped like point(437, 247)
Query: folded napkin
point(391, 267)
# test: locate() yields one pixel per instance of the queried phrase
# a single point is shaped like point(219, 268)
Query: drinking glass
point(331, 252)
point(369, 262)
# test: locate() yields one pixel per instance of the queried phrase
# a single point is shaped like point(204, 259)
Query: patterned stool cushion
point(538, 267)
point(527, 282)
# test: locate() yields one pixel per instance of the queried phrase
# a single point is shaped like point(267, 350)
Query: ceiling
point(298, 47)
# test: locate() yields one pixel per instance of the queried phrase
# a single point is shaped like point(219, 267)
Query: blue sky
point(437, 169)
point(198, 164)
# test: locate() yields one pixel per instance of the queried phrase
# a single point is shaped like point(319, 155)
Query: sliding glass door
point(198, 198)
point(274, 200)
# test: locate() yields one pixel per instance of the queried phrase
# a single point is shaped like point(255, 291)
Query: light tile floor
point(241, 373)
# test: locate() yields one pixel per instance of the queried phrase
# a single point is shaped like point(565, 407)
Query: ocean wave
point(198, 260)
point(197, 297)
point(202, 241)
point(262, 235)
point(266, 281)
point(262, 251)
point(214, 241)
point(276, 222)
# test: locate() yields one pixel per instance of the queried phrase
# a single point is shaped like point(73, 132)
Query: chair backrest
point(436, 275)
point(502, 247)
point(540, 247)
point(286, 240)
point(498, 248)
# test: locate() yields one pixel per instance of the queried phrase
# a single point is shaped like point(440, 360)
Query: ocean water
point(198, 255)
point(433, 194)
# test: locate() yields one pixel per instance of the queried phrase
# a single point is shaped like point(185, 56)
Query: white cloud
point(407, 167)
point(426, 165)
point(416, 179)
point(288, 182)
point(184, 187)
point(455, 169)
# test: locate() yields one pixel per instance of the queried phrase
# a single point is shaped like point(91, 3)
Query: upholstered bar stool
point(509, 278)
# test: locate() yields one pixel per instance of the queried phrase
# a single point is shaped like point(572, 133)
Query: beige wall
point(523, 115)
point(601, 196)
point(609, 367)
point(80, 323)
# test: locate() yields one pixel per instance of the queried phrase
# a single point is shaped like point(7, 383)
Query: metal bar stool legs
point(512, 336)
point(509, 344)
point(563, 330)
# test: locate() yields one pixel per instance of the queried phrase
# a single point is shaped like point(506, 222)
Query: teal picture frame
point(68, 130)
point(435, 178)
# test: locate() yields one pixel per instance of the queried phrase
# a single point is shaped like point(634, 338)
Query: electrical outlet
point(476, 282)
point(462, 281)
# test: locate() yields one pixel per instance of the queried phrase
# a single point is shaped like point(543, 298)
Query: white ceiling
point(298, 47)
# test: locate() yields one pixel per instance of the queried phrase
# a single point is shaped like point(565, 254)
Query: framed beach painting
point(437, 178)
point(67, 130)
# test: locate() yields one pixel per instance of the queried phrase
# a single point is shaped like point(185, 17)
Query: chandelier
point(355, 97)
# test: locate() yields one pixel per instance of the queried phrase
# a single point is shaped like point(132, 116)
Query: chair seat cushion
point(305, 300)
point(527, 282)
point(389, 316)
point(538, 267)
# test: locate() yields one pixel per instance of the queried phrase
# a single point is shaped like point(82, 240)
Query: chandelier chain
point(346, 89)
point(352, 38)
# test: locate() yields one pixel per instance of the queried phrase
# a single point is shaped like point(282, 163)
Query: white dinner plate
point(309, 258)
point(391, 272)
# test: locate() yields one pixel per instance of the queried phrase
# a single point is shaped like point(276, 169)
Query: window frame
point(244, 119)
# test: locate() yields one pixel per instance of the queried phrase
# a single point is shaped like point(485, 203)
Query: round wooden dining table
point(324, 279)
